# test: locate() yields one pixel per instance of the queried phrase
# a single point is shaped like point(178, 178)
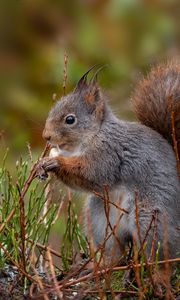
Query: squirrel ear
point(94, 96)
point(83, 80)
point(95, 100)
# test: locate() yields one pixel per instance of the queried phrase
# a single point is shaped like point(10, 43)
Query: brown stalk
point(114, 228)
point(152, 252)
point(8, 218)
point(39, 283)
point(137, 218)
point(32, 174)
point(137, 270)
point(155, 218)
point(135, 250)
point(122, 268)
point(29, 152)
point(65, 72)
point(57, 288)
point(114, 204)
point(146, 234)
point(105, 199)
point(96, 264)
point(118, 207)
point(173, 134)
point(107, 277)
point(166, 276)
point(44, 247)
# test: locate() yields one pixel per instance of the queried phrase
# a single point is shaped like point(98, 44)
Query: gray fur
point(127, 157)
point(132, 157)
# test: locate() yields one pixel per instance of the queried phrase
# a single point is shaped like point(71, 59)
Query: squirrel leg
point(102, 231)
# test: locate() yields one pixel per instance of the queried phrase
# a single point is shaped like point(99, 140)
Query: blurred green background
point(129, 35)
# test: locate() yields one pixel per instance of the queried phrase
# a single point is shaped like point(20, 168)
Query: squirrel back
point(156, 101)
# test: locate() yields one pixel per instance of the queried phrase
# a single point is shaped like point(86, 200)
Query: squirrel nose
point(46, 135)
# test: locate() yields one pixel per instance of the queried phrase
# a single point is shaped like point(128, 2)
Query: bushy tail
point(156, 97)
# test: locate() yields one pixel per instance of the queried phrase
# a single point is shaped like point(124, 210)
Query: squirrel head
point(77, 116)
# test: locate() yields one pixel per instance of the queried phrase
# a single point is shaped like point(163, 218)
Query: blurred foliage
point(129, 35)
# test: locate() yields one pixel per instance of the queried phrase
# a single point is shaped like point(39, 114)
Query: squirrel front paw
point(46, 165)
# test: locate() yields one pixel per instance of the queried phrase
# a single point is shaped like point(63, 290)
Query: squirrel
point(93, 150)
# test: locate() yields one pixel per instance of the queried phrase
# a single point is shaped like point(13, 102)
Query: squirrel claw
point(49, 164)
point(44, 166)
point(41, 174)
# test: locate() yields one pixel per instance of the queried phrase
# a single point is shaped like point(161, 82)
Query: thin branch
point(57, 288)
point(173, 134)
point(122, 268)
point(65, 72)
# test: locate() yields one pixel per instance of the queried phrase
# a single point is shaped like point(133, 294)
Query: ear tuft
point(91, 93)
point(94, 78)
point(82, 83)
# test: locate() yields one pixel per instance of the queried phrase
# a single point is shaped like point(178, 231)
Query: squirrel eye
point(70, 119)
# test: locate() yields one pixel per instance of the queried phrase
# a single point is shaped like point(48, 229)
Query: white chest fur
point(56, 151)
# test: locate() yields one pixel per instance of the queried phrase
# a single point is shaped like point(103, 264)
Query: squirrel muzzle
point(46, 135)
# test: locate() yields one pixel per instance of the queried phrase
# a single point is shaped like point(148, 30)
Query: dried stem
point(57, 288)
point(44, 248)
point(174, 139)
point(8, 218)
point(70, 282)
point(38, 282)
point(29, 152)
point(65, 72)
point(137, 218)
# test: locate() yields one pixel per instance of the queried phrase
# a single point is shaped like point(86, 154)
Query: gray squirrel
point(94, 149)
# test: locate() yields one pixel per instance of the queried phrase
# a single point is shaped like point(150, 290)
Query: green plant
point(72, 237)
point(23, 221)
